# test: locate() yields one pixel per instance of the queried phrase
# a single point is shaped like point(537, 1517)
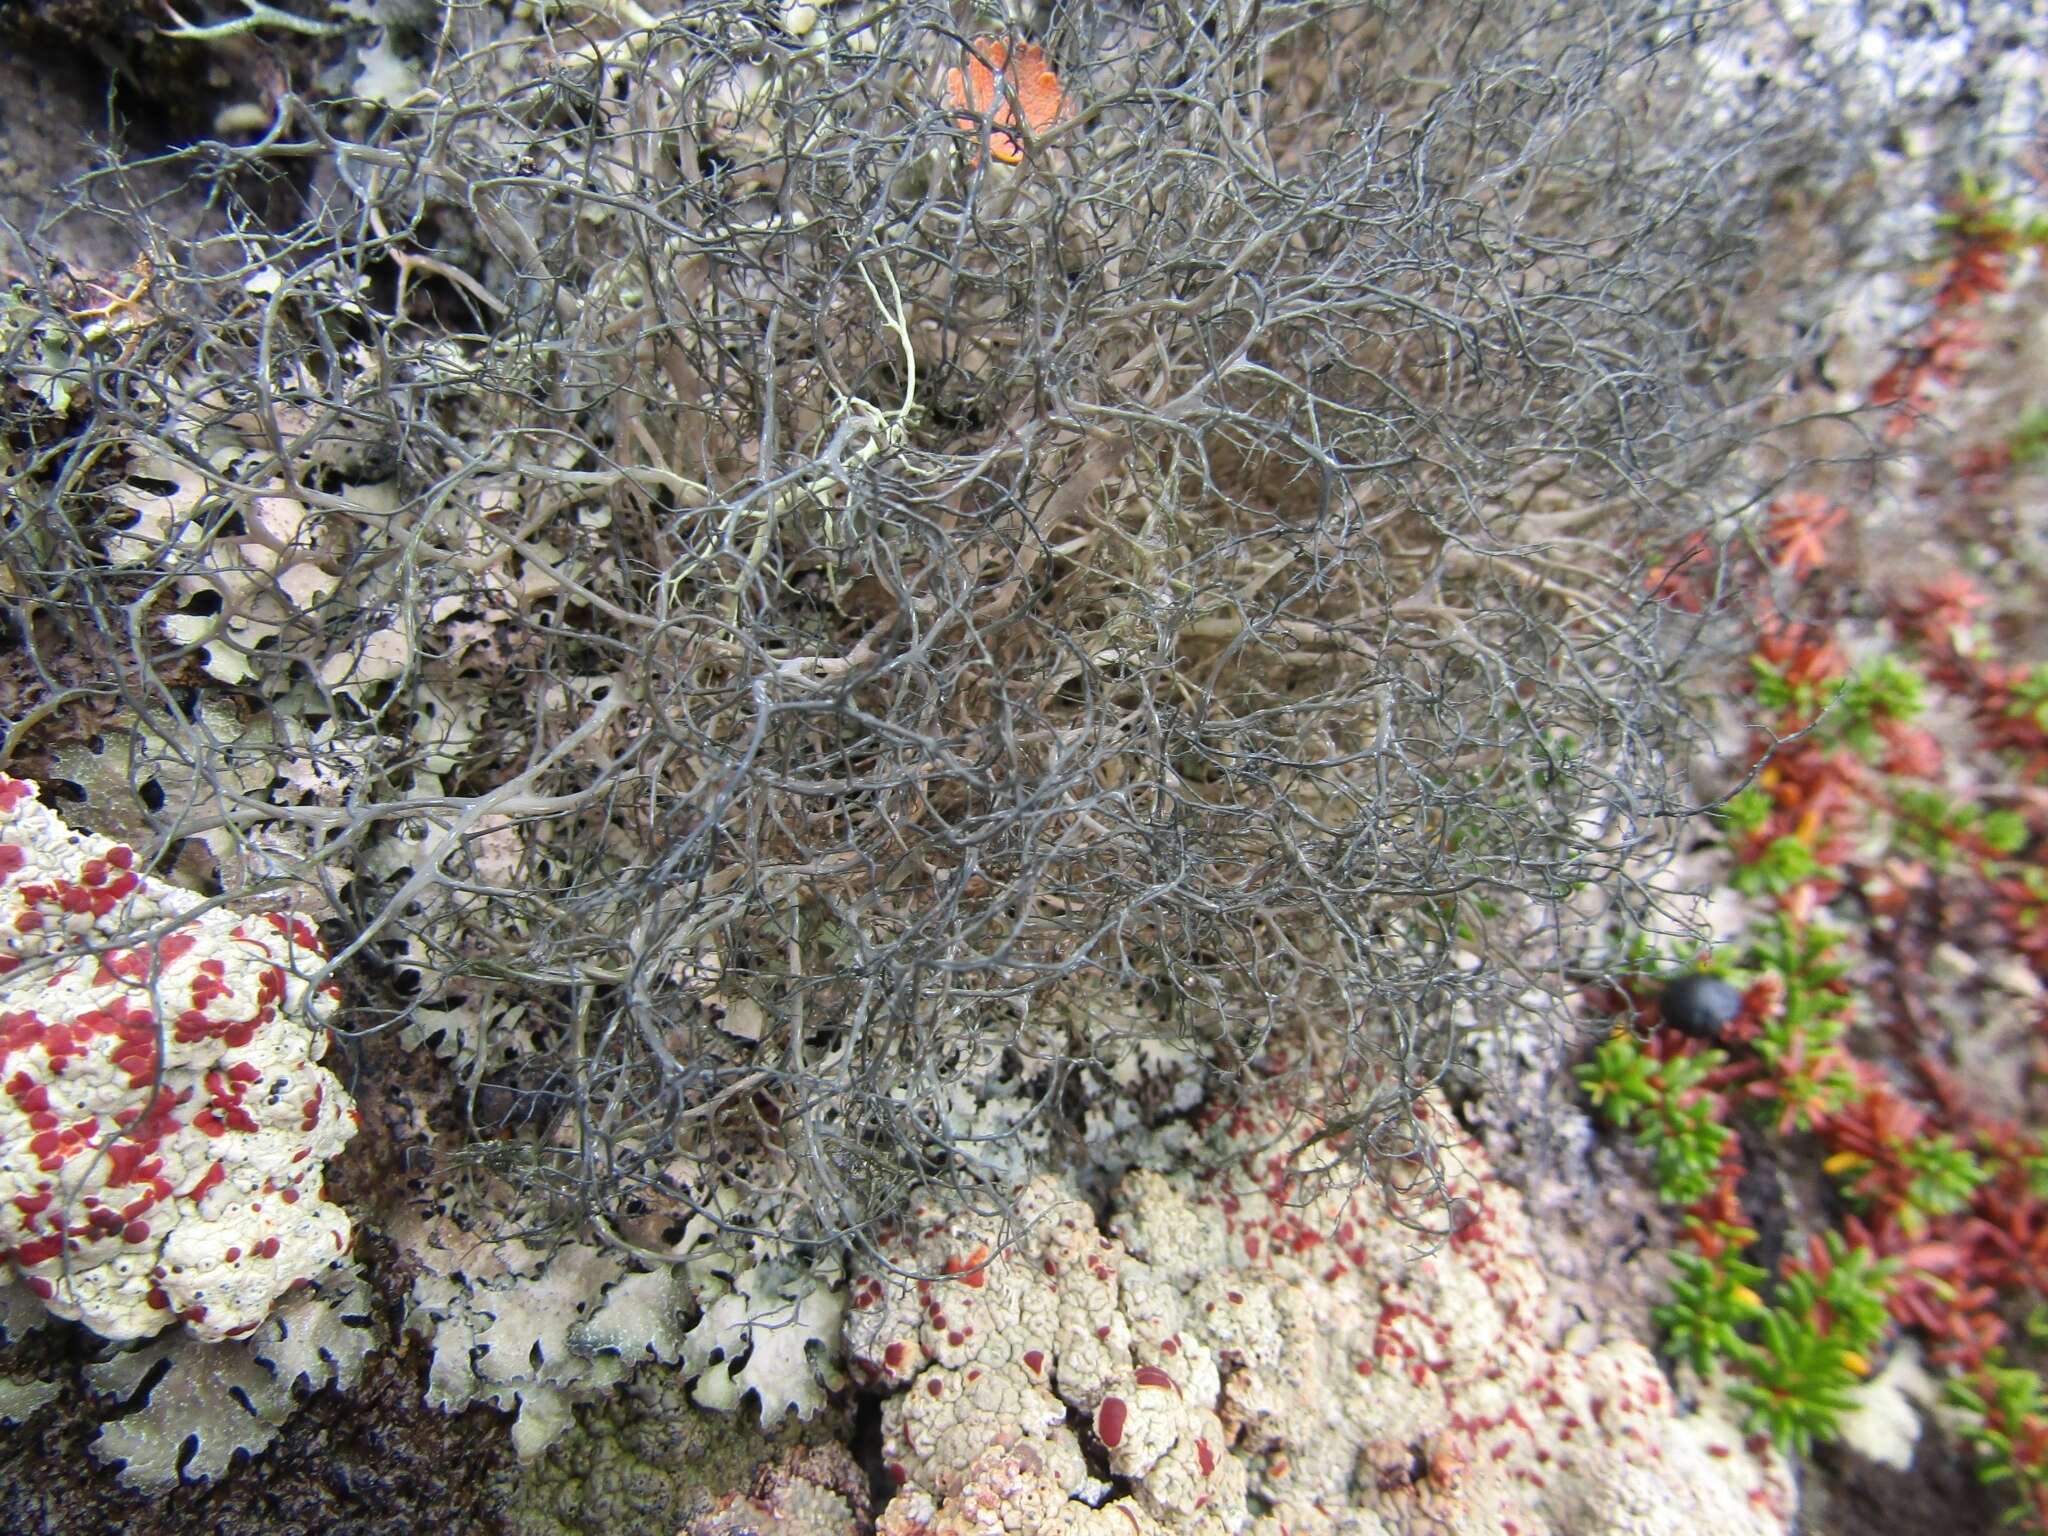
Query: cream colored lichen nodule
point(164, 1120)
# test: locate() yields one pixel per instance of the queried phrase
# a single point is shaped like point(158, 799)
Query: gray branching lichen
point(814, 595)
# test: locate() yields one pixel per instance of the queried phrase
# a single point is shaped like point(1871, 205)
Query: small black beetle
point(1700, 1006)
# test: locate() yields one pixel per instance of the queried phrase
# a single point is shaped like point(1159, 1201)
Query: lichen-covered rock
point(1243, 1341)
point(164, 1121)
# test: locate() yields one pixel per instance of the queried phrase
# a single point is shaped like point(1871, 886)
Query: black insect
point(1700, 1006)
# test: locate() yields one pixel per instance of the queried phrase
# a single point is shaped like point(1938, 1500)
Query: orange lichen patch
point(1000, 82)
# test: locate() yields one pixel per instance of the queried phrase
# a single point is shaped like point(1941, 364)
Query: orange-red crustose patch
point(1010, 85)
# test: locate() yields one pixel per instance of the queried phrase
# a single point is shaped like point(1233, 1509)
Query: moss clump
point(646, 1458)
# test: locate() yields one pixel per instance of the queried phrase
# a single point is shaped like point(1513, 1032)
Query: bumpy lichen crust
point(163, 1119)
point(1010, 1492)
point(813, 1490)
point(646, 1458)
point(1240, 1342)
